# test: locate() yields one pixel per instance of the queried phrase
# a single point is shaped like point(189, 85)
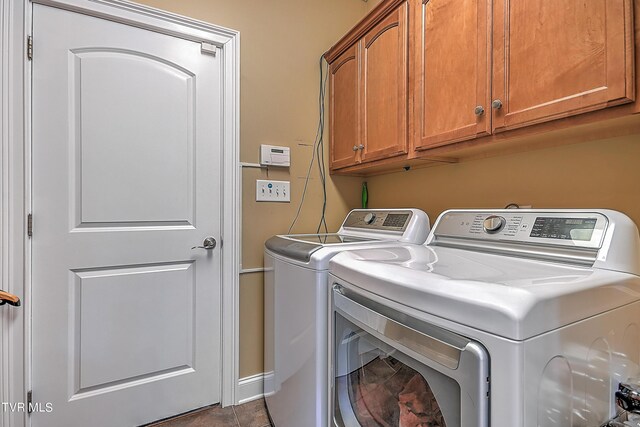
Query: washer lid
point(328, 239)
point(301, 246)
point(510, 297)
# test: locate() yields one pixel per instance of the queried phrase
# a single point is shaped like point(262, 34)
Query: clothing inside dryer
point(379, 386)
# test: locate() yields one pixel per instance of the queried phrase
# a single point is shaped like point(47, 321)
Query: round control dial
point(369, 218)
point(493, 224)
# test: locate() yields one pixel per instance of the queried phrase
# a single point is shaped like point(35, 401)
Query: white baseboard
point(250, 388)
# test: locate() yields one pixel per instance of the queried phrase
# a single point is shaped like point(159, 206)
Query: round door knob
point(493, 224)
point(355, 148)
point(479, 110)
point(361, 147)
point(369, 218)
point(496, 104)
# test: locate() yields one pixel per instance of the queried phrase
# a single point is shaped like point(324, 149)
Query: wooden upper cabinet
point(450, 71)
point(557, 58)
point(343, 109)
point(383, 87)
point(436, 74)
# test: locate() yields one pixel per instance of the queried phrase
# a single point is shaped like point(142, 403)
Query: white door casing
point(15, 111)
point(12, 206)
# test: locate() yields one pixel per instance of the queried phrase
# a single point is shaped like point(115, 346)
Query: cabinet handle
point(496, 104)
point(479, 110)
point(360, 147)
point(355, 148)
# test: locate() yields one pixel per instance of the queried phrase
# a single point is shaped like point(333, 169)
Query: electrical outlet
point(272, 191)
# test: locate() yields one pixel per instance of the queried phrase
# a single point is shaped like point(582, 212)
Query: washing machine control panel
point(373, 219)
point(577, 228)
point(369, 218)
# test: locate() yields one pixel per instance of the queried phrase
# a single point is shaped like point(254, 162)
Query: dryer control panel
point(555, 228)
point(567, 236)
point(600, 238)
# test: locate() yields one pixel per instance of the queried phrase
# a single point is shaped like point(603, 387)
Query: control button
point(369, 218)
point(493, 224)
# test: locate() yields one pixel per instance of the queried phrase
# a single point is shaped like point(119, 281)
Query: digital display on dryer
point(564, 228)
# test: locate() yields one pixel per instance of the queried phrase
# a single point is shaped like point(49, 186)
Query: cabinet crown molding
point(371, 19)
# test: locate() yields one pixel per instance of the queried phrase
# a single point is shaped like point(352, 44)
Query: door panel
point(383, 87)
point(101, 94)
point(451, 71)
point(344, 109)
point(557, 59)
point(126, 179)
point(157, 331)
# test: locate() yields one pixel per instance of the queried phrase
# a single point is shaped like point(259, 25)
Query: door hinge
point(29, 48)
point(29, 401)
point(30, 225)
point(208, 48)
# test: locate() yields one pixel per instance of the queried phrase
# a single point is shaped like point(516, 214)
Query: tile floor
point(250, 414)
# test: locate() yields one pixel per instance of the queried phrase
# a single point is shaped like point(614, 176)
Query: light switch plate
point(272, 191)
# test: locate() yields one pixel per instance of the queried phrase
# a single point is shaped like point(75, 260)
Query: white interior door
point(126, 179)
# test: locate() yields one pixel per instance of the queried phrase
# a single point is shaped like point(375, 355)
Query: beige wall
point(597, 174)
point(281, 43)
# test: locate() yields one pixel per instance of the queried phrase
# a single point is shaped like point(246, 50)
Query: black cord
point(320, 146)
point(318, 150)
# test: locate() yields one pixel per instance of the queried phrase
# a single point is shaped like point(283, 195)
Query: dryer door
point(391, 370)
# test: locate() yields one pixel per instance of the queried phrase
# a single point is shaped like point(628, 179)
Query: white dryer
point(296, 306)
point(509, 318)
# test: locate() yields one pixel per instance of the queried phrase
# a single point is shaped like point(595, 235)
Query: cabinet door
point(555, 59)
point(450, 88)
point(383, 87)
point(343, 118)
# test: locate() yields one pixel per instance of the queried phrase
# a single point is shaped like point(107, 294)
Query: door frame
point(15, 180)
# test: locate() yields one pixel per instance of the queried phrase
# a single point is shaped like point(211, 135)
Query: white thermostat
point(272, 155)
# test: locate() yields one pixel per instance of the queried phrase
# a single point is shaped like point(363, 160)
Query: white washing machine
point(297, 308)
point(508, 318)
